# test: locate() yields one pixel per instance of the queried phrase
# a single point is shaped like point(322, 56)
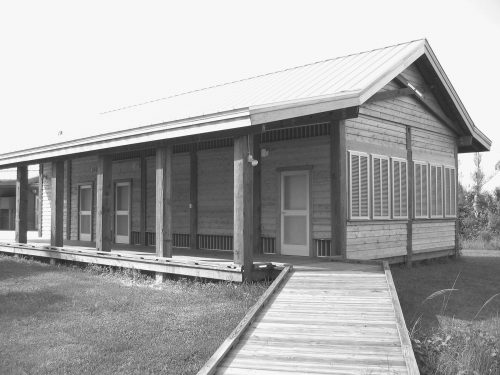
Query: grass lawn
point(65, 320)
point(449, 334)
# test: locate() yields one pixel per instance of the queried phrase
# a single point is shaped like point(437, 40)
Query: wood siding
point(372, 240)
point(180, 192)
point(313, 152)
point(381, 129)
point(431, 235)
point(215, 191)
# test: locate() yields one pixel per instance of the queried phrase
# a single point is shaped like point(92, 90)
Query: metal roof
point(314, 88)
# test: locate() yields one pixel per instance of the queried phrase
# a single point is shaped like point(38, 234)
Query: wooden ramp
point(326, 318)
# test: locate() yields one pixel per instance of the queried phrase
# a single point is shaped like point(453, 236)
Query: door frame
point(123, 239)
point(86, 185)
point(299, 170)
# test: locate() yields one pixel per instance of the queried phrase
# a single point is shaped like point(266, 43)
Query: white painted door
point(122, 212)
point(85, 213)
point(295, 213)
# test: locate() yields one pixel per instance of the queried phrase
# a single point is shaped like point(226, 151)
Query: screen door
point(85, 214)
point(122, 212)
point(295, 213)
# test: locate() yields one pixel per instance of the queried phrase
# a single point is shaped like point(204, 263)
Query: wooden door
point(122, 212)
point(85, 213)
point(295, 213)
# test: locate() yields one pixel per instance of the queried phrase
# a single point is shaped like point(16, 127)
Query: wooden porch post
point(409, 227)
point(257, 196)
point(57, 212)
point(338, 165)
point(143, 213)
point(21, 204)
point(193, 198)
point(104, 218)
point(40, 199)
point(164, 201)
point(243, 205)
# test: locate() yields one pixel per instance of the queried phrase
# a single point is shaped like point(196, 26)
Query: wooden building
point(353, 157)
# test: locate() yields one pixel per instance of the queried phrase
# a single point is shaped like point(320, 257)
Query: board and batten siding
point(314, 152)
point(216, 191)
point(381, 129)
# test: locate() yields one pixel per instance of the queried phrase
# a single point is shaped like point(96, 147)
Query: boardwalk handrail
point(409, 356)
point(211, 365)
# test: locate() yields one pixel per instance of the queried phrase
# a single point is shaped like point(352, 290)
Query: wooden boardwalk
point(327, 318)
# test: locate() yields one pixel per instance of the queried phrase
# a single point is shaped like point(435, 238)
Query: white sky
point(64, 62)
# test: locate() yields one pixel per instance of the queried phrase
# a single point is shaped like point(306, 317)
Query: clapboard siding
point(215, 191)
point(374, 131)
point(83, 171)
point(150, 194)
point(46, 200)
point(314, 152)
point(428, 236)
point(372, 240)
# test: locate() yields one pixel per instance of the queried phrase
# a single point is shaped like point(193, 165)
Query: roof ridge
point(257, 76)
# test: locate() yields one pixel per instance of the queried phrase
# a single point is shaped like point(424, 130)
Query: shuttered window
point(399, 189)
point(436, 190)
point(359, 178)
point(381, 187)
point(450, 192)
point(421, 189)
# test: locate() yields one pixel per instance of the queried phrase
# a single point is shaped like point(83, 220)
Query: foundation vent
point(135, 238)
point(204, 145)
point(180, 240)
point(268, 245)
point(306, 131)
point(215, 242)
point(323, 247)
point(150, 239)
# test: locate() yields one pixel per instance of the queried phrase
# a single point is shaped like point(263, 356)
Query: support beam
point(193, 198)
point(68, 199)
point(338, 165)
point(243, 205)
point(164, 201)
point(57, 204)
point(104, 217)
point(22, 204)
point(143, 214)
point(411, 199)
point(257, 195)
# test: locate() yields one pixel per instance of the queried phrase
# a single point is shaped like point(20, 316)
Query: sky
point(62, 63)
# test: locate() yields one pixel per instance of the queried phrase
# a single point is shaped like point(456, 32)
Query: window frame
point(359, 154)
point(399, 160)
point(426, 164)
point(372, 187)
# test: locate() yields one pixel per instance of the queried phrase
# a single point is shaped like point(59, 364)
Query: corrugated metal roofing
point(325, 79)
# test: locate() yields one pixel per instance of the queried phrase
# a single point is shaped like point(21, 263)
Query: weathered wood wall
point(381, 129)
point(215, 191)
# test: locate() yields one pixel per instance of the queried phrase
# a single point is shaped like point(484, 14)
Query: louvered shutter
point(399, 188)
point(436, 191)
point(381, 197)
point(359, 179)
point(421, 189)
point(450, 191)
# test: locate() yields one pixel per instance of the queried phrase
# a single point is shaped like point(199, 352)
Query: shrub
point(485, 236)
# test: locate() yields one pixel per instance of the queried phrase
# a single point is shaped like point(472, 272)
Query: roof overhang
point(159, 132)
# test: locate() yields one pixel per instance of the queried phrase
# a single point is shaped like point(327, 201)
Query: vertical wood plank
point(57, 212)
point(143, 207)
point(21, 224)
point(40, 198)
point(68, 198)
point(411, 199)
point(193, 198)
point(338, 165)
point(164, 201)
point(457, 224)
point(257, 196)
point(243, 205)
point(104, 217)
